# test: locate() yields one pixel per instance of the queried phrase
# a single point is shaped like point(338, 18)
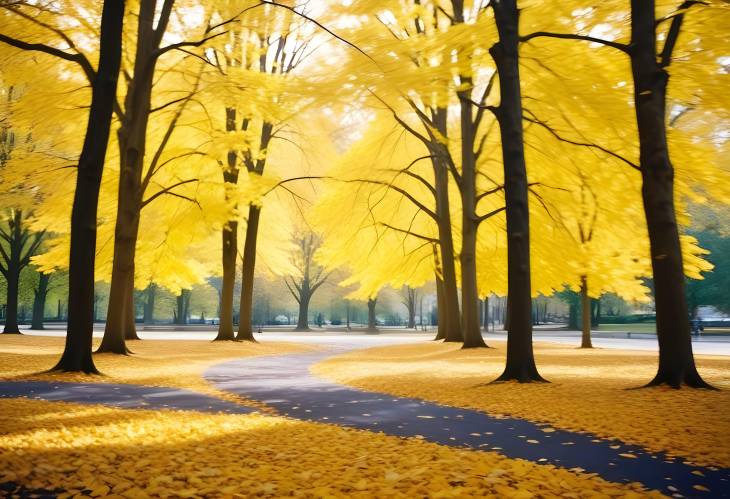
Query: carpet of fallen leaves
point(99, 451)
point(167, 363)
point(588, 391)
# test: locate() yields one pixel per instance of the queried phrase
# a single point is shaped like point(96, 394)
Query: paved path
point(120, 395)
point(284, 382)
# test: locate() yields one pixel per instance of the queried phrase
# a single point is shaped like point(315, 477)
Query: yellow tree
point(650, 68)
point(103, 80)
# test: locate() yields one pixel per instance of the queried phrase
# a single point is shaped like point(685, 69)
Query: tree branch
point(571, 36)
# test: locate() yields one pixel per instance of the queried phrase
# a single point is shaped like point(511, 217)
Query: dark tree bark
point(470, 225)
point(303, 315)
point(520, 363)
point(372, 321)
point(40, 293)
point(132, 138)
point(585, 303)
point(245, 330)
point(182, 307)
point(676, 361)
point(77, 352)
point(449, 313)
point(230, 245)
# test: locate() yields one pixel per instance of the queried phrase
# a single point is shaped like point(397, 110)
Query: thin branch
point(167, 190)
point(555, 134)
point(410, 233)
point(572, 36)
point(47, 49)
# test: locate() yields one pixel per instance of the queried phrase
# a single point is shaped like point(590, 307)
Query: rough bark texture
point(585, 303)
point(449, 313)
point(245, 330)
point(520, 364)
point(77, 352)
point(230, 244)
point(40, 293)
point(676, 361)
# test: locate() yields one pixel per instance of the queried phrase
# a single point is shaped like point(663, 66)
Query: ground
point(92, 450)
point(590, 390)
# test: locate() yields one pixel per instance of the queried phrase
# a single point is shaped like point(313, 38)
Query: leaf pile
point(98, 451)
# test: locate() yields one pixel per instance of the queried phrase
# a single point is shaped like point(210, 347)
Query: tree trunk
point(676, 361)
point(230, 257)
point(303, 320)
point(585, 302)
point(182, 304)
point(485, 315)
point(411, 306)
point(372, 321)
point(441, 331)
point(245, 332)
point(77, 351)
point(449, 322)
point(595, 312)
point(39, 301)
point(469, 226)
point(149, 306)
point(13, 282)
point(520, 363)
point(230, 245)
point(121, 291)
point(130, 316)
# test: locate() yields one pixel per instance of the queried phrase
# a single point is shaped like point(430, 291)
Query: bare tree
point(410, 297)
point(308, 277)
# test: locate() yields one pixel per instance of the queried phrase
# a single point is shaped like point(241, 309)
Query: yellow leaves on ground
point(154, 363)
point(133, 453)
point(588, 391)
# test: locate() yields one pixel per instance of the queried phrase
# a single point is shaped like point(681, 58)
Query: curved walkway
point(285, 383)
point(120, 395)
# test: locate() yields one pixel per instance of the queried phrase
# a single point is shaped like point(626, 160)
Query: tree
point(410, 298)
point(308, 277)
point(17, 247)
point(372, 321)
point(650, 82)
point(40, 293)
point(181, 314)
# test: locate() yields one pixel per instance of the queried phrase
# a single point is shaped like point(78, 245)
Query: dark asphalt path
point(284, 383)
point(120, 395)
